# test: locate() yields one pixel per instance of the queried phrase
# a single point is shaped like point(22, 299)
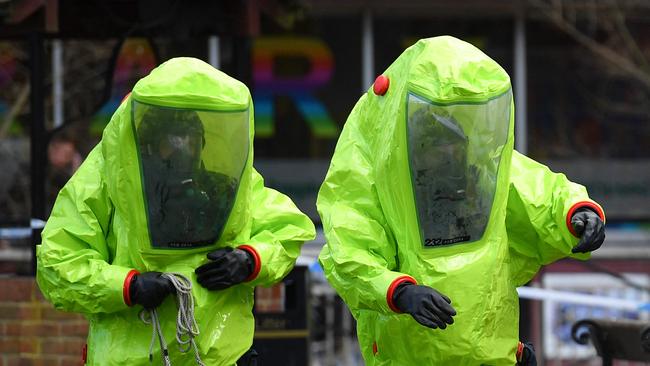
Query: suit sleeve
point(73, 268)
point(540, 206)
point(279, 229)
point(359, 259)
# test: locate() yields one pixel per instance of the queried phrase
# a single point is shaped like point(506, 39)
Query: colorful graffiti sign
point(135, 60)
point(267, 83)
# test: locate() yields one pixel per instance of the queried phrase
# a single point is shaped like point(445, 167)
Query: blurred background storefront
point(580, 71)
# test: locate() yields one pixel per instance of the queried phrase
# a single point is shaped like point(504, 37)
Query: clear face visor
point(454, 154)
point(191, 163)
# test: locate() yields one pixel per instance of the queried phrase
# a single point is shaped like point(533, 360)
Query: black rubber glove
point(227, 267)
point(149, 289)
point(426, 305)
point(591, 229)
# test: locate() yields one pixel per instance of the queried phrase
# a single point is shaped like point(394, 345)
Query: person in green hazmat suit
point(171, 182)
point(432, 219)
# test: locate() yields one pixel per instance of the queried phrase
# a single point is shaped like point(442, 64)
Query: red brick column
point(32, 332)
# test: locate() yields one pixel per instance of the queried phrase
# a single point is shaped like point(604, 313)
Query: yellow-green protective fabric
point(97, 233)
point(370, 220)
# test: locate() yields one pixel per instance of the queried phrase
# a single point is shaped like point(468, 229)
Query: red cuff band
point(126, 293)
point(393, 286)
point(258, 261)
point(520, 351)
point(582, 204)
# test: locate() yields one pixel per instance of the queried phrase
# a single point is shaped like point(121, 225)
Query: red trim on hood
point(381, 84)
point(126, 97)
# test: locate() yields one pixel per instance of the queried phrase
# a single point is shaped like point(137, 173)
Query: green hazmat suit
point(104, 224)
point(425, 187)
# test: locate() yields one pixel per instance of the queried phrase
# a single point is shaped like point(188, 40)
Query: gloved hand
point(149, 289)
point(426, 305)
point(227, 267)
point(591, 229)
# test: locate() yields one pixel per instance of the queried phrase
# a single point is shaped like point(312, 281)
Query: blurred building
point(579, 69)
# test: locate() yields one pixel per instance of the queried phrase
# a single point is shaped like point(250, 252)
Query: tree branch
point(607, 54)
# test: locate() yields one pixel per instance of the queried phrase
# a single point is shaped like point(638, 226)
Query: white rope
point(186, 327)
point(157, 332)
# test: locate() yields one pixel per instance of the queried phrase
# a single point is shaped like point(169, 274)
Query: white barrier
point(582, 299)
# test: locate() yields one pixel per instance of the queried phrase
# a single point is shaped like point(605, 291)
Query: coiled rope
point(186, 327)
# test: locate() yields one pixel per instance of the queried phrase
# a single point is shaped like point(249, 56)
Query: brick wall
point(32, 332)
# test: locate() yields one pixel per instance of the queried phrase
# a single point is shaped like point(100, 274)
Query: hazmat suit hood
point(421, 189)
point(179, 97)
point(446, 136)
